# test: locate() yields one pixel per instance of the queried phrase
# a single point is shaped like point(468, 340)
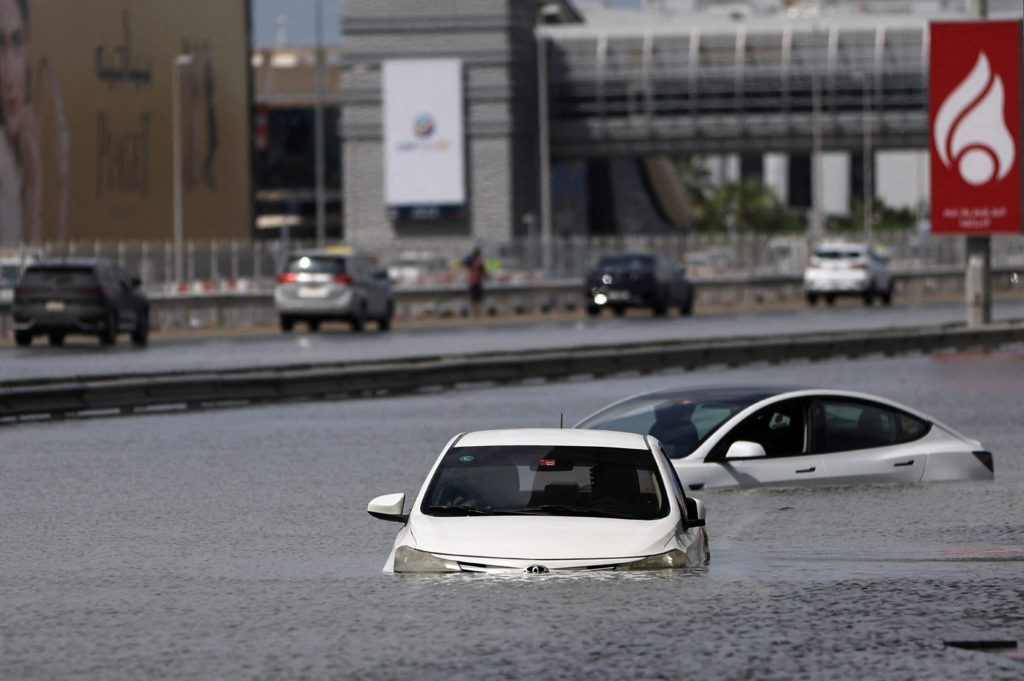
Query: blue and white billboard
point(424, 150)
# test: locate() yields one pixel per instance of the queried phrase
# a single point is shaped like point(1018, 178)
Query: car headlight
point(670, 559)
point(411, 560)
point(600, 299)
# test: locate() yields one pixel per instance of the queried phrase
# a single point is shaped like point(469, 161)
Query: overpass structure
point(737, 88)
point(537, 92)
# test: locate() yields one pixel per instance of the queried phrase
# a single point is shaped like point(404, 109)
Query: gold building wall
point(101, 97)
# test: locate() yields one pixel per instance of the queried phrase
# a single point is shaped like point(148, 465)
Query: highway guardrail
point(140, 393)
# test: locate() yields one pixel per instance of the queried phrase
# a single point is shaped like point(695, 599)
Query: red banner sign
point(975, 117)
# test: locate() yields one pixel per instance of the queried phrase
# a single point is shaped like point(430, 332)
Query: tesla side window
point(780, 428)
point(859, 425)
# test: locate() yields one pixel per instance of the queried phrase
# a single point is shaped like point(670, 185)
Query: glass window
point(852, 424)
point(543, 480)
point(680, 423)
point(780, 428)
point(315, 265)
point(59, 277)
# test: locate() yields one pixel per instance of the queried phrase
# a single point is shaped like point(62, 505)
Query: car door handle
point(805, 470)
point(904, 463)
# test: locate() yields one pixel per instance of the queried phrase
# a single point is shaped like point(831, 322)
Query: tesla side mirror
point(742, 449)
point(695, 512)
point(388, 507)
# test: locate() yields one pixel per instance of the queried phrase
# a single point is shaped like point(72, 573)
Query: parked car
point(749, 436)
point(546, 500)
point(637, 280)
point(57, 297)
point(333, 284)
point(840, 268)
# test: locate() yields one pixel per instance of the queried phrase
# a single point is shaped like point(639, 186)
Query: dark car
point(637, 280)
point(79, 295)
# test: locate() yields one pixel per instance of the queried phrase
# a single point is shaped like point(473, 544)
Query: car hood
point(542, 537)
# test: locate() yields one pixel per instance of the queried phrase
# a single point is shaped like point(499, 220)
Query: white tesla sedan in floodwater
point(744, 436)
point(542, 500)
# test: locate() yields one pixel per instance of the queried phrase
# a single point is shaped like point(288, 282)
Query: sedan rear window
point(315, 265)
point(543, 480)
point(59, 276)
point(847, 254)
point(626, 262)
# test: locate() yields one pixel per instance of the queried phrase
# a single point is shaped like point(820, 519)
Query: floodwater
point(234, 545)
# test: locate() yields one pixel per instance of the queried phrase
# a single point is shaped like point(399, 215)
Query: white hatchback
point(546, 500)
point(748, 436)
point(840, 268)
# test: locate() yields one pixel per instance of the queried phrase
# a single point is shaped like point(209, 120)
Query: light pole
point(180, 61)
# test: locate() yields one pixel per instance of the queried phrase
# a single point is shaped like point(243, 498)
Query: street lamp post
point(180, 61)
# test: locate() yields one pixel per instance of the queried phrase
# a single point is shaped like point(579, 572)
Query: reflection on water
point(235, 545)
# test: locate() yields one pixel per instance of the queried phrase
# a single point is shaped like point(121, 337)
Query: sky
point(299, 22)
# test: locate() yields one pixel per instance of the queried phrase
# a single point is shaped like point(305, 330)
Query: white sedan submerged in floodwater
point(541, 500)
point(743, 436)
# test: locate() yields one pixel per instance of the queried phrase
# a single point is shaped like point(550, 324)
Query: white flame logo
point(970, 133)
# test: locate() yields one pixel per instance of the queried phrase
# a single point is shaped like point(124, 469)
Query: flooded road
point(235, 545)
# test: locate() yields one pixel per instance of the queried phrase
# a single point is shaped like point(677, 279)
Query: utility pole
point(978, 274)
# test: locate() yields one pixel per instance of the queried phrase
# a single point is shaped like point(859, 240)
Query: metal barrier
point(241, 309)
point(112, 395)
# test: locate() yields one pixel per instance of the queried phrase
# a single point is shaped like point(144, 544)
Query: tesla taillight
point(342, 279)
point(986, 459)
point(286, 278)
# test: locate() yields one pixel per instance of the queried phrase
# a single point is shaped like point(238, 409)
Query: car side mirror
point(389, 507)
point(743, 449)
point(695, 513)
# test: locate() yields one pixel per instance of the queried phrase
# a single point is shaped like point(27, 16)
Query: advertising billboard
point(424, 150)
point(86, 150)
point(975, 117)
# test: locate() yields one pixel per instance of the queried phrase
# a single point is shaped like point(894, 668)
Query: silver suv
point(332, 284)
point(842, 268)
point(79, 295)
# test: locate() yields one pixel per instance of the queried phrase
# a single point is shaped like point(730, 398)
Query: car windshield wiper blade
point(460, 510)
point(559, 509)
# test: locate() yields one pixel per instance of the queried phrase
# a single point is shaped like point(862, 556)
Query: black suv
point(79, 295)
point(637, 280)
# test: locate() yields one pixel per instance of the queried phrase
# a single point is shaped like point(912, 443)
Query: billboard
point(86, 150)
point(424, 150)
point(975, 117)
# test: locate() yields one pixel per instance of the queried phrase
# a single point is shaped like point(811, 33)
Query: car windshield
point(680, 422)
point(315, 265)
point(600, 482)
point(626, 262)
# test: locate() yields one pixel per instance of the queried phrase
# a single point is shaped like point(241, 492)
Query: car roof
point(331, 252)
point(553, 437)
point(859, 245)
point(751, 393)
point(75, 262)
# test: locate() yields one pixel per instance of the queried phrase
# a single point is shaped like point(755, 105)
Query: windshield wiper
point(558, 509)
point(460, 510)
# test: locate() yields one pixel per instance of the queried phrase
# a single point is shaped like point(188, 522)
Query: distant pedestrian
point(475, 275)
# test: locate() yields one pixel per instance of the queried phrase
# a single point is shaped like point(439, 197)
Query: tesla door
point(782, 430)
point(867, 442)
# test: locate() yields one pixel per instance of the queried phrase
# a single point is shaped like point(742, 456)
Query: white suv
point(842, 268)
point(332, 284)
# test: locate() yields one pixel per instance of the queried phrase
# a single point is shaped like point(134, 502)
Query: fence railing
point(253, 265)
